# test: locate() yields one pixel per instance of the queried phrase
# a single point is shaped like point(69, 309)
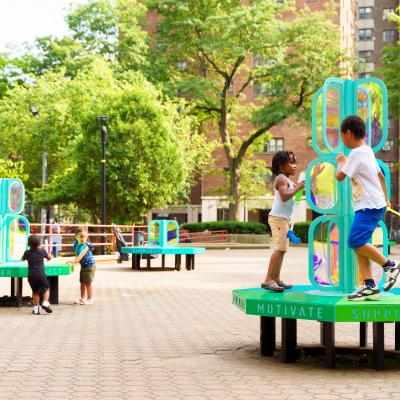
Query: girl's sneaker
point(89, 301)
point(82, 302)
point(36, 310)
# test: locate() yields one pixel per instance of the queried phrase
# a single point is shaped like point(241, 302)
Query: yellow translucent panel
point(323, 185)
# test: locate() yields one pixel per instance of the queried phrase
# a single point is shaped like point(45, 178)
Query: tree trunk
point(234, 195)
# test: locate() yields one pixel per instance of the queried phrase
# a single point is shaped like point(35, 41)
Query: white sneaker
point(391, 275)
point(82, 302)
point(89, 301)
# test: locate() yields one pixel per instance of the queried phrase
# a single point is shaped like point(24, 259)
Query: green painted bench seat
point(17, 270)
point(20, 269)
point(304, 302)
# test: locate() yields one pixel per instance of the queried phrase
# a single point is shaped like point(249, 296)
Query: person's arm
point(281, 185)
point(24, 256)
point(382, 181)
point(46, 255)
point(340, 161)
point(80, 256)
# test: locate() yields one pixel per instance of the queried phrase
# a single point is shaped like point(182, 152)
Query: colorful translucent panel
point(154, 237)
point(17, 240)
point(15, 197)
point(326, 254)
point(370, 109)
point(333, 114)
point(323, 185)
point(172, 233)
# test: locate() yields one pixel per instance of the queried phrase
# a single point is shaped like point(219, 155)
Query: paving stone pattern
point(172, 335)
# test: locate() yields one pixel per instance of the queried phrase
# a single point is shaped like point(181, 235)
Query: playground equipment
point(163, 238)
point(291, 235)
point(332, 265)
point(14, 232)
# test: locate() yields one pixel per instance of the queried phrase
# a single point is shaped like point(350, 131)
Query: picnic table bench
point(304, 302)
point(139, 251)
point(19, 269)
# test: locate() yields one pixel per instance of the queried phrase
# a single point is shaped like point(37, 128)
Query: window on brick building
point(182, 65)
point(388, 35)
point(386, 12)
point(365, 34)
point(268, 178)
point(392, 165)
point(389, 145)
point(363, 75)
point(366, 56)
point(274, 145)
point(258, 60)
point(392, 123)
point(309, 142)
point(365, 12)
point(258, 89)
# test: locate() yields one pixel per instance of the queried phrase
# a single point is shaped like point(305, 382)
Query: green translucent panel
point(17, 238)
point(154, 237)
point(323, 185)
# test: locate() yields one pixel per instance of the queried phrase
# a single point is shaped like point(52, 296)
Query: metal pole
point(103, 130)
point(43, 212)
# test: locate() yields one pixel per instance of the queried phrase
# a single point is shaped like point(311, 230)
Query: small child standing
point(370, 200)
point(83, 251)
point(284, 165)
point(36, 276)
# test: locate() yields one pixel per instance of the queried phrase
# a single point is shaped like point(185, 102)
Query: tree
point(153, 149)
point(216, 52)
point(391, 68)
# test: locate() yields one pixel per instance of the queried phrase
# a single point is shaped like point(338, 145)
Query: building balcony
point(365, 45)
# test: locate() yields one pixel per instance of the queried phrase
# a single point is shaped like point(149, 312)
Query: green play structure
point(332, 265)
point(14, 232)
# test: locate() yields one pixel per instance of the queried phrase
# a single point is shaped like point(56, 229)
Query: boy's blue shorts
point(363, 227)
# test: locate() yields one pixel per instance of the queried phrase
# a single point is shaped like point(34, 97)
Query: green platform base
point(304, 302)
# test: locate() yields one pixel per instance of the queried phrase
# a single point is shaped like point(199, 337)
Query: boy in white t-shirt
point(370, 201)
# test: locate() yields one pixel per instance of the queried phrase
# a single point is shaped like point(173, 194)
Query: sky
point(23, 20)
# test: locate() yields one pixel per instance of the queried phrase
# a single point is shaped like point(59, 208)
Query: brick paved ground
point(171, 335)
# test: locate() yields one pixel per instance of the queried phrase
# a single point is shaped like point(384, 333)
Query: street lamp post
point(43, 214)
point(103, 121)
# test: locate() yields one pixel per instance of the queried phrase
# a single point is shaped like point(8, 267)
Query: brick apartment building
point(357, 19)
point(375, 32)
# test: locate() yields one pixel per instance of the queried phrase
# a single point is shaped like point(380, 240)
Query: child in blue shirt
point(370, 200)
point(83, 251)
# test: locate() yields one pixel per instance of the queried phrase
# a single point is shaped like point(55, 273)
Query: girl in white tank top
point(284, 165)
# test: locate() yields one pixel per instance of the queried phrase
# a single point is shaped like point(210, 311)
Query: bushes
point(301, 230)
point(230, 226)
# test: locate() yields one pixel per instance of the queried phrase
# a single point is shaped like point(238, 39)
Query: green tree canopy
point(153, 150)
point(215, 53)
point(391, 68)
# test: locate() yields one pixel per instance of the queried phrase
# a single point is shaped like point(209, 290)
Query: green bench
point(140, 251)
point(19, 270)
point(304, 302)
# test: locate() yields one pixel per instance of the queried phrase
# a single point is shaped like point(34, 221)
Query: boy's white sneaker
point(391, 276)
